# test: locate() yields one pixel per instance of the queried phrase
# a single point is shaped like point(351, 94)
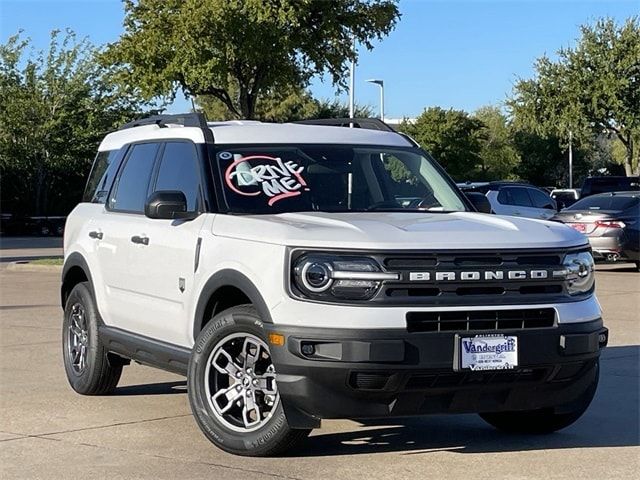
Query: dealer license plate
point(489, 352)
point(581, 227)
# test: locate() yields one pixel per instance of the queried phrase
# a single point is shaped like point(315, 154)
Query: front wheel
point(544, 420)
point(232, 387)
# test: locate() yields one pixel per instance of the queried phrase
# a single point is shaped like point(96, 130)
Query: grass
point(47, 261)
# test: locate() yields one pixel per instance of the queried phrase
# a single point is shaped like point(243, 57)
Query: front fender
point(229, 278)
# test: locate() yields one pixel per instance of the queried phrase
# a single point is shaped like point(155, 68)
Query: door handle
point(96, 235)
point(140, 239)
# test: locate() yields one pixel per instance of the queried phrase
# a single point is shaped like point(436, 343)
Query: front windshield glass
point(332, 178)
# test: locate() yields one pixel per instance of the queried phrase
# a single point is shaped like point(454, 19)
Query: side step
point(145, 350)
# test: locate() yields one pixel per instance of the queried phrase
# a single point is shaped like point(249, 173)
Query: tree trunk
point(247, 103)
point(628, 159)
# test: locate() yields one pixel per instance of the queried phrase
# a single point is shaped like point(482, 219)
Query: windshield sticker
point(261, 174)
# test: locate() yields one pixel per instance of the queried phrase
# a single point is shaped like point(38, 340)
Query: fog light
point(308, 349)
point(602, 340)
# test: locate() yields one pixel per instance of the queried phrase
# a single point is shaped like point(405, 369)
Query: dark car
point(611, 221)
point(595, 185)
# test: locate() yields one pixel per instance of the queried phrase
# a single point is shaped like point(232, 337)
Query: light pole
point(380, 83)
point(570, 159)
point(352, 80)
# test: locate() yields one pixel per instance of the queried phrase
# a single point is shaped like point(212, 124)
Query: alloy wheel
point(240, 382)
point(78, 339)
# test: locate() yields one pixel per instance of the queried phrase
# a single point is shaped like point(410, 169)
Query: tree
point(591, 89)
point(239, 50)
point(286, 105)
point(54, 109)
point(498, 157)
point(451, 136)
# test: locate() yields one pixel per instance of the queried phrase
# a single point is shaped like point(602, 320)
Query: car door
point(164, 266)
point(544, 205)
point(121, 219)
point(515, 201)
point(502, 201)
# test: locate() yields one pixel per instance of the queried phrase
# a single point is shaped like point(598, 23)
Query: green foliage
point(451, 136)
point(498, 156)
point(55, 107)
point(285, 105)
point(239, 50)
point(591, 89)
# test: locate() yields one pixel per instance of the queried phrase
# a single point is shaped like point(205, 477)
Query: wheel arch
point(231, 288)
point(74, 271)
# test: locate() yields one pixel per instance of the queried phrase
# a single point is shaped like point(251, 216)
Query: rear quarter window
point(101, 176)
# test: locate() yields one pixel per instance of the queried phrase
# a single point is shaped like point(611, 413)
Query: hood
point(398, 230)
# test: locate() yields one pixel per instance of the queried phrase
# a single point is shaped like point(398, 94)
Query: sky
point(449, 53)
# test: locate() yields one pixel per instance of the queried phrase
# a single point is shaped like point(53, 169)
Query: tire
point(546, 420)
point(230, 371)
point(637, 266)
point(95, 372)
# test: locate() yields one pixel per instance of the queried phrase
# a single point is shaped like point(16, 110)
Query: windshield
point(332, 178)
point(608, 202)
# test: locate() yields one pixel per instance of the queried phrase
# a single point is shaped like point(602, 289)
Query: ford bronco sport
point(295, 272)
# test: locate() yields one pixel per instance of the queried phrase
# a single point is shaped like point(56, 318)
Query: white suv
point(281, 268)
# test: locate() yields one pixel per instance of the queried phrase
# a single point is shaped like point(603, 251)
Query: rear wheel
point(232, 387)
point(545, 420)
point(88, 366)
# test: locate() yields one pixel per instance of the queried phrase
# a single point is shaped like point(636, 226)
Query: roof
point(252, 132)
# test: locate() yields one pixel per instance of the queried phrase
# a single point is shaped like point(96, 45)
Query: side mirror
point(168, 205)
point(479, 201)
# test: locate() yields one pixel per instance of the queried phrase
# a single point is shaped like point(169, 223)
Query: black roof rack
point(367, 123)
point(185, 119)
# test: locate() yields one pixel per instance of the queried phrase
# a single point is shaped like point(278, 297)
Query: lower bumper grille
point(482, 320)
point(460, 379)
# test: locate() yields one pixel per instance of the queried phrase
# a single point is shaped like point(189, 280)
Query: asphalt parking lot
point(145, 430)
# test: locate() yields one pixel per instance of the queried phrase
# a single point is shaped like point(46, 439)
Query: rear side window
point(613, 184)
point(514, 196)
point(130, 192)
point(540, 199)
point(101, 177)
point(179, 171)
point(520, 197)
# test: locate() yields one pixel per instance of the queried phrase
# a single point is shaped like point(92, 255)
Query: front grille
point(480, 320)
point(488, 290)
point(461, 379)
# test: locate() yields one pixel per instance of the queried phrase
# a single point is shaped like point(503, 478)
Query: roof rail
point(198, 120)
point(367, 123)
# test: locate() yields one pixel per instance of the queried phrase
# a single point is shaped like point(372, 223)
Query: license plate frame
point(478, 352)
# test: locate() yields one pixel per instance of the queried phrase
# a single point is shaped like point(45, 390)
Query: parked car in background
point(565, 197)
point(595, 185)
point(611, 221)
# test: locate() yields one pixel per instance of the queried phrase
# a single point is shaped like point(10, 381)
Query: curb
point(25, 266)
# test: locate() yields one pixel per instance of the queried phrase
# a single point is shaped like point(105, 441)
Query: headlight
point(578, 272)
point(334, 278)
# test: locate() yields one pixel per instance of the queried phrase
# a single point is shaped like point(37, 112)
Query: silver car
point(611, 221)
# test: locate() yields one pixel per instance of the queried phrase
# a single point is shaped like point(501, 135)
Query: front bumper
point(391, 372)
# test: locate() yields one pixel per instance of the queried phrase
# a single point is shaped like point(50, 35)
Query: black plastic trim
point(75, 259)
point(229, 278)
point(366, 123)
point(318, 383)
point(145, 350)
